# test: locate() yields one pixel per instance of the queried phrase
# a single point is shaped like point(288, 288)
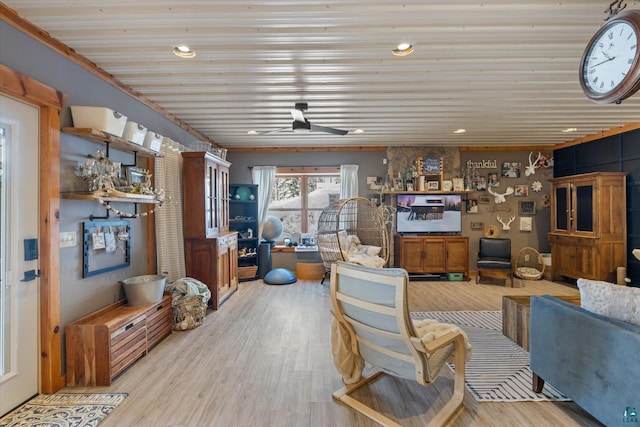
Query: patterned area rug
point(64, 410)
point(499, 369)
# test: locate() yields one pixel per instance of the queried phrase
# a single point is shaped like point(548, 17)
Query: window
point(299, 196)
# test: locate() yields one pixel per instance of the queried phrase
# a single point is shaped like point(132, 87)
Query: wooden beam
point(599, 135)
point(304, 149)
point(11, 17)
point(508, 148)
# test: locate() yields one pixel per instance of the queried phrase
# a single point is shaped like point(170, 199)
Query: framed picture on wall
point(493, 179)
point(477, 225)
point(521, 190)
point(472, 206)
point(527, 207)
point(484, 200)
point(511, 169)
point(526, 223)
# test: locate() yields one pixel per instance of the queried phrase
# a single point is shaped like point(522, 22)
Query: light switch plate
point(67, 239)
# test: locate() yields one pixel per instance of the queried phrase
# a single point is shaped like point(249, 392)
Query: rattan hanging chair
point(345, 218)
point(528, 264)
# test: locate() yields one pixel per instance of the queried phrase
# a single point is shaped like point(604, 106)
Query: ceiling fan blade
point(297, 115)
point(316, 128)
point(288, 129)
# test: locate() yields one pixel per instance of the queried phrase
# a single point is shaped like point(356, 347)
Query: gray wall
point(537, 238)
point(370, 163)
point(79, 296)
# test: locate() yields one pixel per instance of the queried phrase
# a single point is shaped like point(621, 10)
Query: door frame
point(50, 101)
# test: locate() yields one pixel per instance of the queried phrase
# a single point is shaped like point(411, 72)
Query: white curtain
point(348, 181)
point(168, 217)
point(264, 177)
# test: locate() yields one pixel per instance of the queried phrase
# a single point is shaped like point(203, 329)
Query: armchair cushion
point(494, 263)
point(495, 248)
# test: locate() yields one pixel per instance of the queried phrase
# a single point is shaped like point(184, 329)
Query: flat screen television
point(429, 213)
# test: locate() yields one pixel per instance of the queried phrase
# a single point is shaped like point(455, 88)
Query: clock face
point(610, 58)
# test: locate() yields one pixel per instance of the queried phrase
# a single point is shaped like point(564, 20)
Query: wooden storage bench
point(103, 344)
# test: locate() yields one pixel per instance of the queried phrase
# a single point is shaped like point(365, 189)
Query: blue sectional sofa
point(592, 359)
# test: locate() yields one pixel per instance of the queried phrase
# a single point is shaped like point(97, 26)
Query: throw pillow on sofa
point(607, 299)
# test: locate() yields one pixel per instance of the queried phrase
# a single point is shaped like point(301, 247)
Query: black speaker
point(264, 259)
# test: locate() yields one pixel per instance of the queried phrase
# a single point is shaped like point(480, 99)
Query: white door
point(19, 310)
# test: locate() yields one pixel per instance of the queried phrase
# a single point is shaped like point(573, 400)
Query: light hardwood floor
point(264, 359)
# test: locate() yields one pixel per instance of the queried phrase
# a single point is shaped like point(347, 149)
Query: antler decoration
point(614, 8)
point(531, 169)
point(506, 226)
point(500, 198)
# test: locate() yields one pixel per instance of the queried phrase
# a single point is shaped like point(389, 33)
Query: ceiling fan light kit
point(301, 125)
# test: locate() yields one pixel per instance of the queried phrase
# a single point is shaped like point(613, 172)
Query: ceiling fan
point(302, 125)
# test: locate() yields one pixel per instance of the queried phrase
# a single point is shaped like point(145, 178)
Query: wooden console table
point(515, 316)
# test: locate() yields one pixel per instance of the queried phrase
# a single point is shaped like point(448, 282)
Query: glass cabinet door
point(562, 208)
point(583, 209)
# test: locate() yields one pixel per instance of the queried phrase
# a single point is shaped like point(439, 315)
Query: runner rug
point(499, 369)
point(64, 410)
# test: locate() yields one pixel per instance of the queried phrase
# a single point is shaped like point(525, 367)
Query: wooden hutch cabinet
point(211, 250)
point(432, 254)
point(589, 225)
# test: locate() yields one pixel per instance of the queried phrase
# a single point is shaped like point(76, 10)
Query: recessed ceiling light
point(184, 52)
point(459, 131)
point(569, 130)
point(252, 132)
point(403, 49)
point(358, 131)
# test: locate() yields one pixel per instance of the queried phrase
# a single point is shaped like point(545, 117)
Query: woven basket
point(529, 264)
point(189, 314)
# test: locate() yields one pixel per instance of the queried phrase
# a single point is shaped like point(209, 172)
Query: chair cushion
point(493, 263)
point(495, 248)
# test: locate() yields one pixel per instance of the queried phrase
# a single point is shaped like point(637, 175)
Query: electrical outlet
point(67, 239)
point(384, 161)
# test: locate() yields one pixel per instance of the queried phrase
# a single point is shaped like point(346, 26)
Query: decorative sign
point(482, 164)
point(430, 165)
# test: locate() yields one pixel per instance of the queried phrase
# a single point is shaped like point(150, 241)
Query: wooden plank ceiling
point(504, 70)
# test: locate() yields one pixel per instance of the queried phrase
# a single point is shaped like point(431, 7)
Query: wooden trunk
point(103, 344)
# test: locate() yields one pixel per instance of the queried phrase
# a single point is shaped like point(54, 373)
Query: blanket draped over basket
point(189, 299)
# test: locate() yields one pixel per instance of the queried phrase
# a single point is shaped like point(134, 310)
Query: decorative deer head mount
point(506, 226)
point(500, 198)
point(531, 169)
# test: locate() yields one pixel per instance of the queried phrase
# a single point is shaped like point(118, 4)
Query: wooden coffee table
point(515, 316)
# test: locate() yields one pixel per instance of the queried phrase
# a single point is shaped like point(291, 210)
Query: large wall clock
point(610, 66)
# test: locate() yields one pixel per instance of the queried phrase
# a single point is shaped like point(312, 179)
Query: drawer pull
point(160, 307)
point(129, 326)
